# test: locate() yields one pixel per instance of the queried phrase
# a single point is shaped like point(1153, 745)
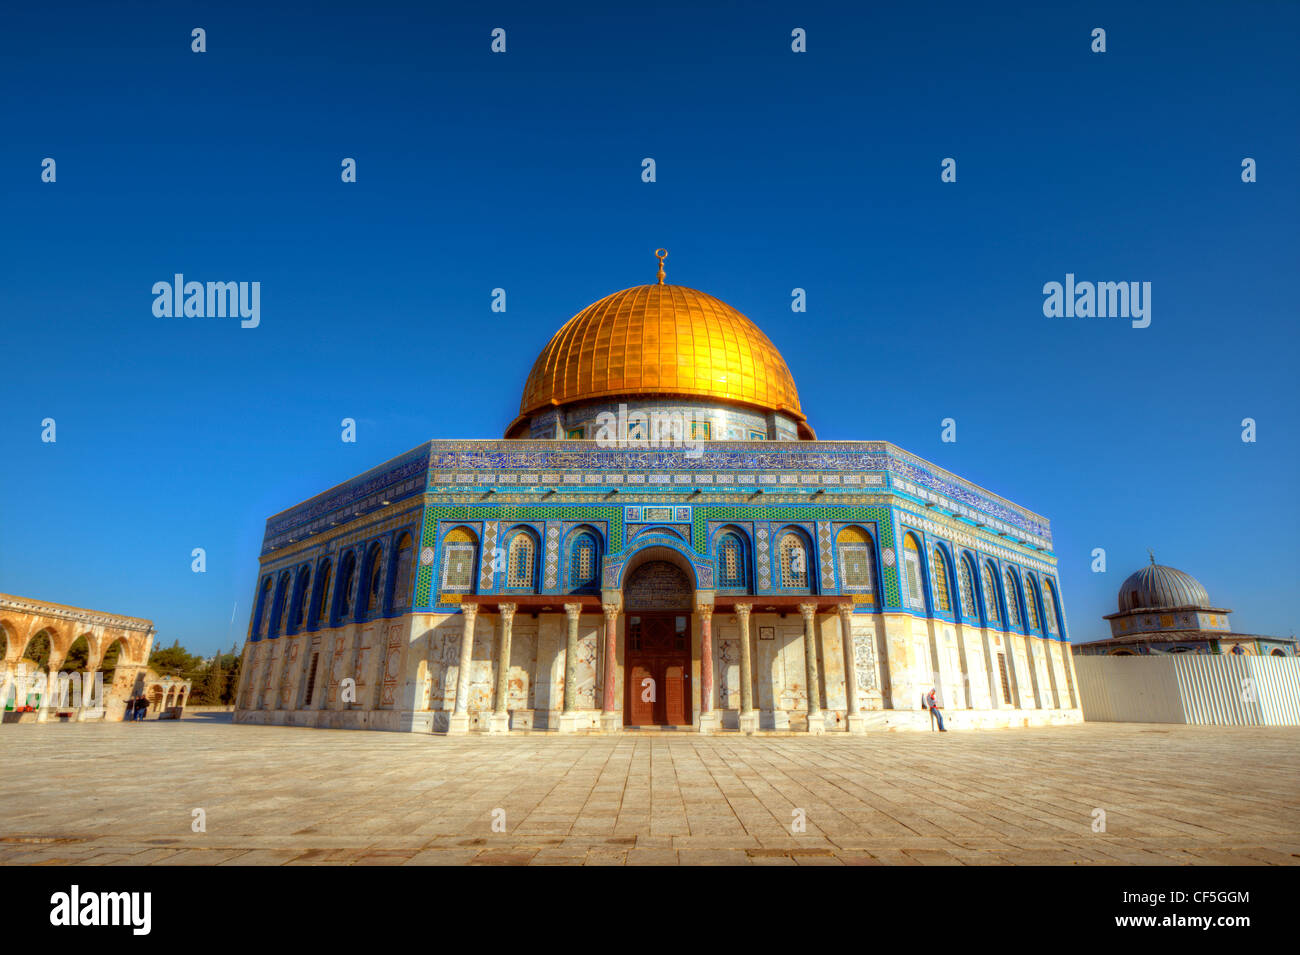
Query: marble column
point(816, 720)
point(458, 722)
point(569, 718)
point(856, 722)
point(709, 717)
point(610, 720)
point(748, 715)
point(50, 696)
point(500, 722)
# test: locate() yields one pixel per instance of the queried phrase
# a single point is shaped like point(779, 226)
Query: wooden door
point(658, 649)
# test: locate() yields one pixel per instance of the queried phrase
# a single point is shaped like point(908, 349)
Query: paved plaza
point(122, 793)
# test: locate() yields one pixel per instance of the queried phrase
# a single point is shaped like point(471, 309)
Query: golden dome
point(661, 340)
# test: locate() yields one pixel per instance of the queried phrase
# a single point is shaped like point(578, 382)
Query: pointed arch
point(730, 547)
point(261, 612)
point(280, 605)
point(301, 595)
point(459, 560)
point(794, 560)
point(583, 552)
point(1035, 621)
point(856, 549)
point(1052, 609)
point(321, 595)
point(1012, 593)
point(913, 572)
point(939, 580)
point(521, 559)
point(990, 588)
point(401, 571)
point(343, 598)
point(970, 608)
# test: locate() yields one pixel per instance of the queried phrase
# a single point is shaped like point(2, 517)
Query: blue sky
point(522, 171)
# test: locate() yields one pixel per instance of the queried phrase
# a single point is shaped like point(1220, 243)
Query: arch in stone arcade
point(39, 647)
point(658, 645)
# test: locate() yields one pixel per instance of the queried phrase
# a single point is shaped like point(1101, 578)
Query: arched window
point(792, 555)
point(521, 560)
point(1050, 608)
point(300, 598)
point(263, 616)
point(403, 555)
point(991, 594)
point(347, 577)
point(1031, 603)
point(1013, 600)
point(281, 603)
point(913, 573)
point(373, 598)
point(939, 579)
point(459, 548)
point(320, 609)
point(584, 561)
point(857, 560)
point(733, 571)
point(970, 610)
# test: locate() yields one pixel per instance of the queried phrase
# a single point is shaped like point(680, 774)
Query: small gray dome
point(1161, 588)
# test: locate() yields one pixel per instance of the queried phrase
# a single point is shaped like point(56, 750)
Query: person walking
point(932, 702)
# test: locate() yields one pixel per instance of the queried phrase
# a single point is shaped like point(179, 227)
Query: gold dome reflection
point(661, 340)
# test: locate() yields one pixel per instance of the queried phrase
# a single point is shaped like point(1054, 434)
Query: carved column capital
point(574, 611)
point(705, 610)
point(611, 610)
point(743, 610)
point(507, 611)
point(845, 611)
point(470, 611)
point(808, 610)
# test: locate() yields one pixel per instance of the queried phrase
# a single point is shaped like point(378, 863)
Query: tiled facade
point(404, 653)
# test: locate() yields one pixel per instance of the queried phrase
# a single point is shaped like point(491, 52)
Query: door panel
point(658, 648)
point(640, 712)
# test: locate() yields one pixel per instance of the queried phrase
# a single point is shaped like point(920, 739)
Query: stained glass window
point(301, 597)
point(969, 609)
point(519, 562)
point(856, 560)
point(1013, 602)
point(940, 582)
point(731, 566)
point(374, 577)
point(912, 568)
point(346, 576)
point(582, 561)
point(264, 611)
point(458, 551)
point(1049, 607)
point(282, 607)
point(1031, 602)
point(323, 582)
point(990, 594)
point(793, 560)
point(402, 572)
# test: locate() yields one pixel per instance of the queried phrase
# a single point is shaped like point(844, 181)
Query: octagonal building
point(659, 540)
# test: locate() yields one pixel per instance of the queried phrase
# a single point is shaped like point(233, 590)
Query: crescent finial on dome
point(661, 254)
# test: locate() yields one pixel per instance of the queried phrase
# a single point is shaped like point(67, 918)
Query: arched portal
point(658, 601)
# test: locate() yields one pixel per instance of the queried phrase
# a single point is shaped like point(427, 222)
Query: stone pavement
point(126, 793)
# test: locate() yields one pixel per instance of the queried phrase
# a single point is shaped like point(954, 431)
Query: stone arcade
point(752, 579)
